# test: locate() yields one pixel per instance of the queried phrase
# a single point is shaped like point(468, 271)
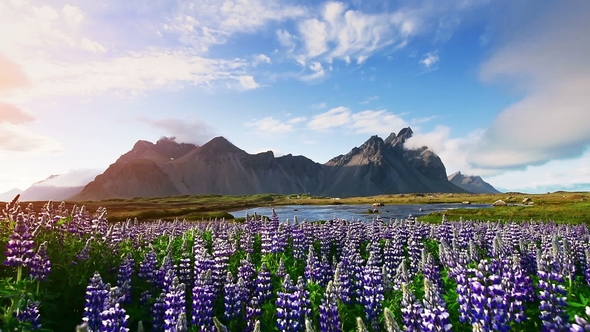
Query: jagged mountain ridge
point(219, 167)
point(472, 183)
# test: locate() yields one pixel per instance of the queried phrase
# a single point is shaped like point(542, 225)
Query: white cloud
point(208, 23)
point(73, 15)
point(92, 46)
point(298, 119)
point(135, 73)
point(319, 105)
point(376, 122)
point(261, 58)
point(369, 99)
point(333, 118)
point(185, 130)
point(269, 125)
point(548, 62)
point(318, 72)
point(247, 82)
point(285, 39)
point(371, 122)
point(430, 61)
point(343, 33)
point(18, 139)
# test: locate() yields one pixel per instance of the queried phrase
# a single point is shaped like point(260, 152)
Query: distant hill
point(472, 183)
point(9, 195)
point(169, 168)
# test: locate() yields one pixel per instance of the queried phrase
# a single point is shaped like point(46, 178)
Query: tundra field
point(68, 265)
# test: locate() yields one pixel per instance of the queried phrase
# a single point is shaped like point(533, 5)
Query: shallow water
point(356, 212)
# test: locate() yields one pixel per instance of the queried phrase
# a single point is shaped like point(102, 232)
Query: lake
point(349, 212)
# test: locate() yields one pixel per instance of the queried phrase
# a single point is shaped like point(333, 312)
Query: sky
point(498, 89)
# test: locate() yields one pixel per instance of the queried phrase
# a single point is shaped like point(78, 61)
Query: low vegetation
point(558, 206)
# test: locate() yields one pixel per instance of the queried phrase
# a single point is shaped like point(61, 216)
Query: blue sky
point(496, 88)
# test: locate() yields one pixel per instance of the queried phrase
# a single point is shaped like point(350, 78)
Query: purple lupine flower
point(552, 294)
point(415, 246)
point(19, 249)
point(203, 297)
point(288, 304)
point(463, 293)
point(313, 270)
point(30, 314)
point(581, 324)
point(262, 293)
point(304, 297)
point(165, 273)
point(431, 270)
point(84, 254)
point(40, 264)
point(266, 233)
point(281, 271)
point(231, 300)
point(96, 295)
point(342, 284)
point(174, 305)
point(587, 270)
point(435, 316)
point(113, 317)
point(126, 270)
point(519, 288)
point(411, 310)
point(393, 254)
point(488, 297)
point(149, 267)
point(247, 242)
point(329, 317)
point(158, 310)
point(221, 255)
point(298, 241)
point(184, 265)
point(372, 293)
point(279, 239)
point(246, 271)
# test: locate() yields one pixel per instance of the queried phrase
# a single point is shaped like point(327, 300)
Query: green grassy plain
point(558, 206)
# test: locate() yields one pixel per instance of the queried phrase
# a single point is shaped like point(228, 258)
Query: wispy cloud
point(17, 138)
point(430, 61)
point(371, 122)
point(298, 119)
point(319, 106)
point(269, 125)
point(208, 22)
point(12, 114)
point(185, 130)
point(369, 99)
point(318, 72)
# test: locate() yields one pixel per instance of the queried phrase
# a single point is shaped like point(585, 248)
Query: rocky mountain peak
point(398, 140)
point(219, 145)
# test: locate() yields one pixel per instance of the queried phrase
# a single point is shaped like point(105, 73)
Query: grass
point(558, 206)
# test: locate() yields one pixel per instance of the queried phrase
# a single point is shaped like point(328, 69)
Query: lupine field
point(67, 269)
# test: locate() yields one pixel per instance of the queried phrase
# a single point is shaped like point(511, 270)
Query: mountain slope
point(9, 195)
point(472, 183)
point(220, 167)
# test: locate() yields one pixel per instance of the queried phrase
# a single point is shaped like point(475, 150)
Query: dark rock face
point(219, 167)
point(472, 183)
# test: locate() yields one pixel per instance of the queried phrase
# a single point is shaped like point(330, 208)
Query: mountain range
point(472, 183)
point(169, 168)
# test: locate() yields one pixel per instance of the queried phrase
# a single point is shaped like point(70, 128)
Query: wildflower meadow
point(69, 268)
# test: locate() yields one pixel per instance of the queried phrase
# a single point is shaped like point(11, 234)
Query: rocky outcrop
point(472, 183)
